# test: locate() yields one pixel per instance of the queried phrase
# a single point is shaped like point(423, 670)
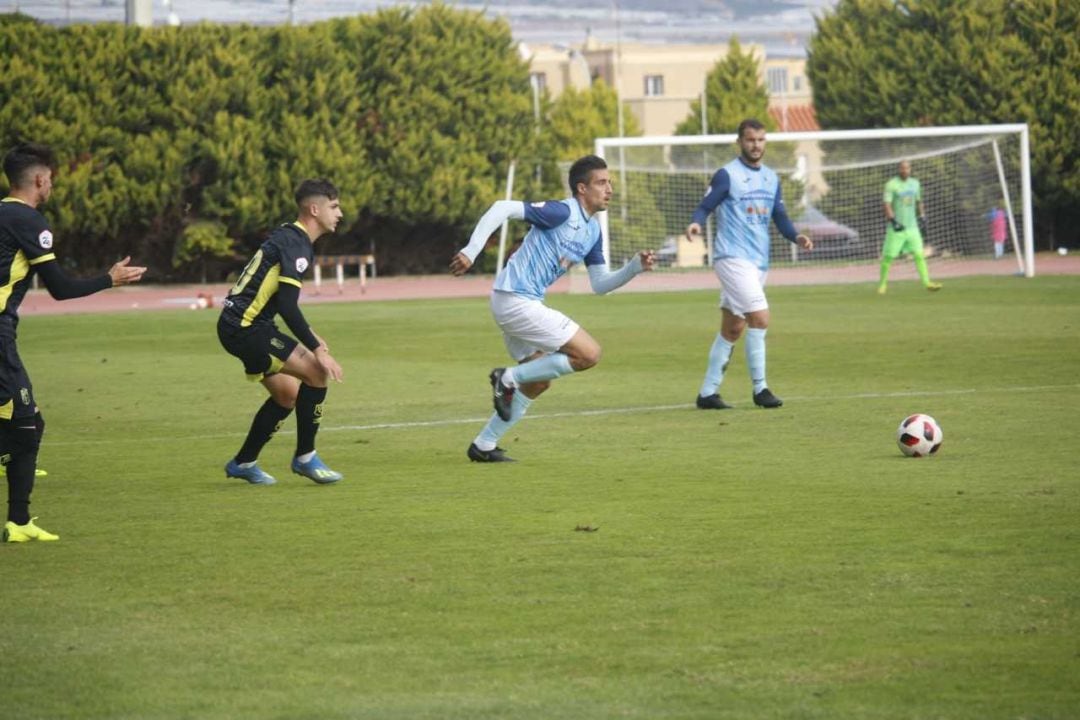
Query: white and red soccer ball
point(919, 435)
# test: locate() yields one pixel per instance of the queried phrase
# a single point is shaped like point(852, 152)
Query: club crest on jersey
point(24, 395)
point(301, 264)
point(45, 239)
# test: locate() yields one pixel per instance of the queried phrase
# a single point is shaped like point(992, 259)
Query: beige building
point(657, 83)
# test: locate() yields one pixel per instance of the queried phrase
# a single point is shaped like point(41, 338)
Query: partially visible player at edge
point(294, 373)
point(26, 248)
point(902, 197)
point(547, 343)
point(745, 194)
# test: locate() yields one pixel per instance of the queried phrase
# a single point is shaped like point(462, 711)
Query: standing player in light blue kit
point(745, 194)
point(547, 343)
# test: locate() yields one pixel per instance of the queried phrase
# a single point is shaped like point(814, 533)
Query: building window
point(539, 80)
point(777, 79)
point(796, 83)
point(654, 85)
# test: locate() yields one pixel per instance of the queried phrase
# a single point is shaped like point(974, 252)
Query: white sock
point(497, 427)
point(755, 357)
point(546, 367)
point(719, 356)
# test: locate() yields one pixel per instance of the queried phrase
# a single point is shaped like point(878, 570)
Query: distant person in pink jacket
point(998, 231)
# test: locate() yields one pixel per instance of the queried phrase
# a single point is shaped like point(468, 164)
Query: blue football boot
point(315, 469)
point(253, 474)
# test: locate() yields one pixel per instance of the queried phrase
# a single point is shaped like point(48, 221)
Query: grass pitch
point(740, 564)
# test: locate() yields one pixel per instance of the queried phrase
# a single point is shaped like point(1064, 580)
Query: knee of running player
point(759, 320)
point(586, 357)
point(733, 330)
point(314, 375)
point(286, 399)
point(283, 389)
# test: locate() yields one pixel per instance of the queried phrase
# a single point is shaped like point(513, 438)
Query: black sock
point(22, 442)
point(308, 415)
point(20, 477)
point(266, 423)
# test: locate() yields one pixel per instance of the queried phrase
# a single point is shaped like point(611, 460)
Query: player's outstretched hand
point(460, 264)
point(122, 273)
point(329, 364)
point(648, 259)
point(804, 242)
point(693, 230)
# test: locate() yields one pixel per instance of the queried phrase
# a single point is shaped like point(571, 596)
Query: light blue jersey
point(746, 199)
point(561, 236)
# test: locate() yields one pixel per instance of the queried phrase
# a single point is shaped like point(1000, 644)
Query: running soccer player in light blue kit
point(745, 194)
point(547, 343)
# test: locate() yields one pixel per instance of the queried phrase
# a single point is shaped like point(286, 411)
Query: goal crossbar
point(968, 137)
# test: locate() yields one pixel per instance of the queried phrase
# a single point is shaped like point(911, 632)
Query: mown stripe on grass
point(637, 409)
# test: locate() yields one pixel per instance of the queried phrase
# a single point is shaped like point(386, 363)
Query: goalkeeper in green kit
point(903, 196)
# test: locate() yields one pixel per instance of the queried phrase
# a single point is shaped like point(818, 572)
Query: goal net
point(975, 188)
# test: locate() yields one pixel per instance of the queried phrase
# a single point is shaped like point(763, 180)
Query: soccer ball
point(919, 435)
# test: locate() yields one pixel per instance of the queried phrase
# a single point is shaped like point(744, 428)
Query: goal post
point(832, 183)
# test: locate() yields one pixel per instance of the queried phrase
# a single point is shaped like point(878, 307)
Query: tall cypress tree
point(733, 92)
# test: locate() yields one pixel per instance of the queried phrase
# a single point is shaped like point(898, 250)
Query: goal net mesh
point(833, 190)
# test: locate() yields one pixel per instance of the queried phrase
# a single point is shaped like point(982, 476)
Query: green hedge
point(414, 114)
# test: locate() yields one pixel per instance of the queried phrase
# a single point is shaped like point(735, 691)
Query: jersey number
point(249, 271)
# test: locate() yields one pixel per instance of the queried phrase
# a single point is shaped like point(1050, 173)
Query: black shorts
point(16, 392)
point(262, 348)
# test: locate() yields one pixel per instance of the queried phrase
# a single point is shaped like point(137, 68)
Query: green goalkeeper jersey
point(904, 196)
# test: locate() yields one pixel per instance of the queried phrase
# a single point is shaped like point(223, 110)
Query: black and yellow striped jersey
point(25, 241)
point(283, 258)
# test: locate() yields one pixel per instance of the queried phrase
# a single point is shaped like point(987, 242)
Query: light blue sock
point(497, 427)
point(755, 357)
point(719, 357)
point(547, 367)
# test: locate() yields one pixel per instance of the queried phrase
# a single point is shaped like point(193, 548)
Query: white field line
point(636, 410)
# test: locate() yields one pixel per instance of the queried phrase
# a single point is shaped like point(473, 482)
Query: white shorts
point(529, 325)
point(742, 286)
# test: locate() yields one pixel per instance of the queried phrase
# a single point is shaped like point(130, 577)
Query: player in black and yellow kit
point(26, 248)
point(294, 373)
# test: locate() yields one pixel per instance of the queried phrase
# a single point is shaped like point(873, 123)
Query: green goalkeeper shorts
point(908, 240)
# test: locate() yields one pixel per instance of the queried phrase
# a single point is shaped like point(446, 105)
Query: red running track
point(172, 297)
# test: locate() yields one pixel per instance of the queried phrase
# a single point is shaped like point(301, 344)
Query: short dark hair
point(752, 124)
point(579, 171)
point(23, 157)
point(312, 187)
